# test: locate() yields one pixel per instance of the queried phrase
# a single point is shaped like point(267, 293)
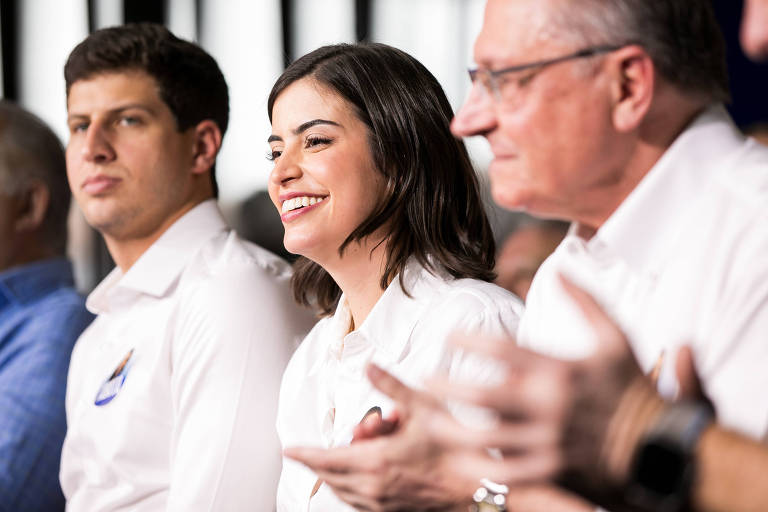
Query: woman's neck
point(358, 274)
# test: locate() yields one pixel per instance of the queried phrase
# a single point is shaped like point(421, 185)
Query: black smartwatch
point(664, 463)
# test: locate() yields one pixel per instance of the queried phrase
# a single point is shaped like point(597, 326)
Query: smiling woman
point(382, 203)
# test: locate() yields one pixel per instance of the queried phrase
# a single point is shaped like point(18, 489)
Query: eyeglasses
point(490, 78)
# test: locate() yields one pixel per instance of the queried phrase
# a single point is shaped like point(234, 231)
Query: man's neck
point(670, 115)
point(125, 251)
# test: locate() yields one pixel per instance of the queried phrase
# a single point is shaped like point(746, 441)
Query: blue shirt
point(41, 317)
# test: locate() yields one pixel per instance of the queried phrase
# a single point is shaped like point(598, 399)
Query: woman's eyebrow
point(304, 126)
point(314, 122)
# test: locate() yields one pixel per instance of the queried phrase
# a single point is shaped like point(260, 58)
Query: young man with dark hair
point(172, 391)
point(41, 314)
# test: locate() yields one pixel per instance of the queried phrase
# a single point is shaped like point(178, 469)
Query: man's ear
point(31, 207)
point(207, 142)
point(632, 87)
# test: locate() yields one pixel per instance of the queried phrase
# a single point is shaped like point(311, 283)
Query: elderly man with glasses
point(608, 115)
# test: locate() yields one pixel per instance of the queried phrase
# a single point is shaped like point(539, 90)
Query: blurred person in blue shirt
point(41, 314)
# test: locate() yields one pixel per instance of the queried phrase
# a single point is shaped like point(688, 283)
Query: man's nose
point(97, 147)
point(477, 116)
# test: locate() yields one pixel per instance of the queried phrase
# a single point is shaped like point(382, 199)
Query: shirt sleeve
point(497, 319)
point(33, 372)
point(235, 334)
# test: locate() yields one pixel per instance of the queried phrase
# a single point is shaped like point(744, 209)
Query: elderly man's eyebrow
point(303, 127)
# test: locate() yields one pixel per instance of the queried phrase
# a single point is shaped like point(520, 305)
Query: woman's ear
point(31, 207)
point(632, 87)
point(207, 142)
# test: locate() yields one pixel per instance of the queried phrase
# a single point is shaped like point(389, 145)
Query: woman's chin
point(300, 248)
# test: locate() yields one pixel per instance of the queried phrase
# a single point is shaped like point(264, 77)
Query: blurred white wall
point(320, 23)
point(439, 33)
point(182, 19)
point(245, 37)
point(48, 30)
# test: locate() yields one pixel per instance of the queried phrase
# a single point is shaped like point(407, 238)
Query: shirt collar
point(161, 265)
point(395, 314)
point(389, 325)
point(649, 222)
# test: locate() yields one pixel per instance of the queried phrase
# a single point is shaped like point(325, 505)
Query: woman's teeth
point(299, 202)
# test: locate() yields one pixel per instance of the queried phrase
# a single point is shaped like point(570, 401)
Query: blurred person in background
point(596, 119)
point(754, 29)
point(759, 132)
point(383, 205)
point(41, 314)
point(172, 391)
point(523, 251)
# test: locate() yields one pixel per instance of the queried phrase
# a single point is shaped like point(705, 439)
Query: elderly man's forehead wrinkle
point(515, 29)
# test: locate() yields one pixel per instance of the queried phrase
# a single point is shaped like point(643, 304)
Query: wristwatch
point(664, 463)
point(489, 497)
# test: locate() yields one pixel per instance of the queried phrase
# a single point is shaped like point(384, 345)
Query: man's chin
point(106, 221)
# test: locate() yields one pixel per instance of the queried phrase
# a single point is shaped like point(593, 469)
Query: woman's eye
point(273, 155)
point(317, 141)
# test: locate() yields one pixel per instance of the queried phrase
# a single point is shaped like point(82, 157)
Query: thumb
point(390, 385)
point(687, 378)
point(610, 338)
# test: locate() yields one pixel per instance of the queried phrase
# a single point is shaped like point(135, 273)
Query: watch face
point(664, 462)
point(661, 468)
point(661, 477)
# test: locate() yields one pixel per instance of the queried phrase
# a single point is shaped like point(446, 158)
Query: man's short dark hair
point(431, 205)
point(30, 152)
point(682, 37)
point(189, 80)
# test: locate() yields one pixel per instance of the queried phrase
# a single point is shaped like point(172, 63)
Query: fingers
point(380, 489)
point(502, 350)
point(389, 385)
point(611, 338)
point(365, 456)
point(536, 390)
point(505, 398)
point(373, 426)
point(510, 470)
point(337, 460)
point(494, 348)
point(690, 385)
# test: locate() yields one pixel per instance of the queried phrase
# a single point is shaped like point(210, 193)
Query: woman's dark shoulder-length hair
point(431, 201)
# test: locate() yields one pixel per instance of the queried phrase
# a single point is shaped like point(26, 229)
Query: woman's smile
point(299, 205)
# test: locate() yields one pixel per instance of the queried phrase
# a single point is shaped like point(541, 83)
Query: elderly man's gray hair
point(30, 152)
point(682, 37)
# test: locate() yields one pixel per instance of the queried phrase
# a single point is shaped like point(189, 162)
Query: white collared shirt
point(683, 260)
point(210, 322)
point(325, 392)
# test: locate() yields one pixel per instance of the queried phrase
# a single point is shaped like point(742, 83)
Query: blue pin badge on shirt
point(111, 387)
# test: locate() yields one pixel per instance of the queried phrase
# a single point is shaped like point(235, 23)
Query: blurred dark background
point(749, 81)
